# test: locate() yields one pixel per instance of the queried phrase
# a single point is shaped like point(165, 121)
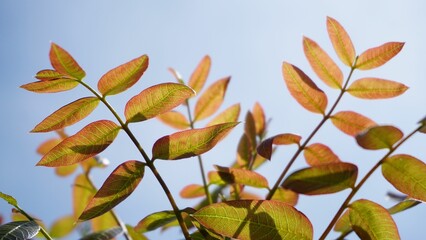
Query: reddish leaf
point(53, 86)
point(199, 76)
point(156, 100)
point(230, 114)
point(155, 221)
point(192, 191)
point(318, 154)
point(379, 137)
point(243, 176)
point(118, 186)
point(376, 57)
point(174, 119)
point(322, 64)
point(244, 151)
point(259, 119)
point(351, 123)
point(286, 195)
point(64, 63)
point(88, 142)
point(210, 101)
point(265, 148)
point(375, 88)
point(190, 143)
point(341, 41)
point(303, 89)
point(123, 77)
point(48, 75)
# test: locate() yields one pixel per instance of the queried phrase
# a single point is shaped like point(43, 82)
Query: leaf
point(48, 75)
point(177, 75)
point(9, 199)
point(286, 195)
point(322, 179)
point(259, 119)
point(243, 176)
point(191, 142)
point(303, 89)
point(403, 205)
point(265, 148)
point(174, 119)
point(21, 230)
point(64, 63)
point(318, 154)
point(103, 235)
point(200, 74)
point(47, 145)
point(255, 219)
point(376, 88)
point(379, 137)
point(123, 77)
point(68, 115)
point(376, 57)
point(117, 187)
point(407, 174)
point(155, 221)
point(210, 101)
point(341, 41)
point(88, 142)
point(59, 85)
point(156, 100)
point(371, 221)
point(244, 151)
point(83, 191)
point(322, 64)
point(230, 114)
point(343, 225)
point(66, 170)
point(192, 191)
point(62, 227)
point(103, 222)
point(422, 127)
point(250, 129)
point(351, 123)
point(135, 235)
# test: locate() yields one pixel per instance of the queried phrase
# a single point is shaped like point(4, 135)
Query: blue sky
point(247, 40)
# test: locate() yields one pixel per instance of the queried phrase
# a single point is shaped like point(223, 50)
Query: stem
point(42, 230)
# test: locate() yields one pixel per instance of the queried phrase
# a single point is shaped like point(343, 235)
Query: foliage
point(227, 209)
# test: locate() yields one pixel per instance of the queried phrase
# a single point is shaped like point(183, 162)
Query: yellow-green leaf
point(104, 222)
point(343, 225)
point(190, 143)
point(341, 41)
point(318, 154)
point(135, 235)
point(376, 57)
point(66, 170)
point(64, 63)
point(210, 101)
point(243, 176)
point(83, 191)
point(322, 64)
point(9, 199)
point(192, 191)
point(88, 142)
point(407, 174)
point(375, 88)
point(154, 221)
point(259, 119)
point(255, 219)
point(200, 74)
point(303, 89)
point(244, 151)
point(403, 205)
point(265, 148)
point(156, 100)
point(250, 129)
point(121, 78)
point(117, 187)
point(351, 123)
point(379, 137)
point(174, 119)
point(286, 195)
point(230, 114)
point(53, 86)
point(62, 227)
point(48, 75)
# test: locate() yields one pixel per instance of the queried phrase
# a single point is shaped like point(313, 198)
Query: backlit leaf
point(66, 170)
point(121, 78)
point(48, 75)
point(64, 63)
point(303, 89)
point(322, 179)
point(135, 235)
point(217, 178)
point(47, 145)
point(376, 57)
point(341, 41)
point(156, 100)
point(369, 220)
point(83, 191)
point(375, 88)
point(243, 176)
point(155, 220)
point(210, 101)
point(191, 142)
point(265, 148)
point(9, 199)
point(192, 191)
point(62, 227)
point(379, 137)
point(59, 85)
point(117, 187)
point(88, 142)
point(200, 74)
point(259, 119)
point(68, 115)
point(103, 235)
point(404, 205)
point(343, 225)
point(104, 222)
point(21, 230)
point(351, 123)
point(250, 129)
point(244, 151)
point(318, 154)
point(322, 64)
point(286, 195)
point(174, 119)
point(407, 174)
point(230, 114)
point(255, 219)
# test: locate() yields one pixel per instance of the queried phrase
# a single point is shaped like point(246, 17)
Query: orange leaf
point(156, 100)
point(46, 146)
point(265, 148)
point(64, 63)
point(376, 57)
point(303, 89)
point(123, 77)
point(351, 123)
point(375, 88)
point(286, 195)
point(318, 154)
point(243, 176)
point(192, 191)
point(211, 99)
point(259, 119)
point(66, 170)
point(379, 137)
point(118, 186)
point(174, 119)
point(48, 75)
point(191, 142)
point(53, 86)
point(200, 74)
point(230, 114)
point(88, 142)
point(250, 129)
point(322, 64)
point(341, 41)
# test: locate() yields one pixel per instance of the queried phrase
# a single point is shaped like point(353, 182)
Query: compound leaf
point(376, 57)
point(375, 88)
point(351, 123)
point(265, 148)
point(379, 137)
point(53, 86)
point(318, 154)
point(64, 63)
point(243, 176)
point(154, 221)
point(19, 230)
point(192, 191)
point(341, 41)
point(200, 74)
point(103, 235)
point(174, 119)
point(211, 99)
point(230, 114)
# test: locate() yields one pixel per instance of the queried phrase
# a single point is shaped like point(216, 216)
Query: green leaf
point(351, 123)
point(53, 86)
point(200, 74)
point(341, 41)
point(376, 88)
point(255, 219)
point(117, 187)
point(123, 77)
point(21, 230)
point(190, 143)
point(322, 179)
point(211, 99)
point(403, 205)
point(155, 220)
point(318, 154)
point(64, 63)
point(103, 235)
point(156, 100)
point(369, 220)
point(379, 137)
point(88, 142)
point(48, 75)
point(62, 227)
point(174, 119)
point(230, 114)
point(135, 235)
point(192, 191)
point(9, 199)
point(376, 57)
point(68, 115)
point(286, 195)
point(242, 176)
point(407, 174)
point(83, 191)
point(343, 225)
point(265, 148)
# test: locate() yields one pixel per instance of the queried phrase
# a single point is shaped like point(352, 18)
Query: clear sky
point(247, 40)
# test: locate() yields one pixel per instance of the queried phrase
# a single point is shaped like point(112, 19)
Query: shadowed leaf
point(259, 119)
point(190, 143)
point(422, 123)
point(379, 137)
point(210, 101)
point(103, 235)
point(192, 191)
point(286, 195)
point(341, 41)
point(156, 100)
point(123, 77)
point(21, 230)
point(242, 176)
point(375, 88)
point(351, 123)
point(230, 114)
point(53, 86)
point(343, 225)
point(174, 119)
point(318, 154)
point(9, 199)
point(64, 63)
point(62, 227)
point(200, 74)
point(303, 89)
point(376, 57)
point(155, 220)
point(265, 148)
point(244, 151)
